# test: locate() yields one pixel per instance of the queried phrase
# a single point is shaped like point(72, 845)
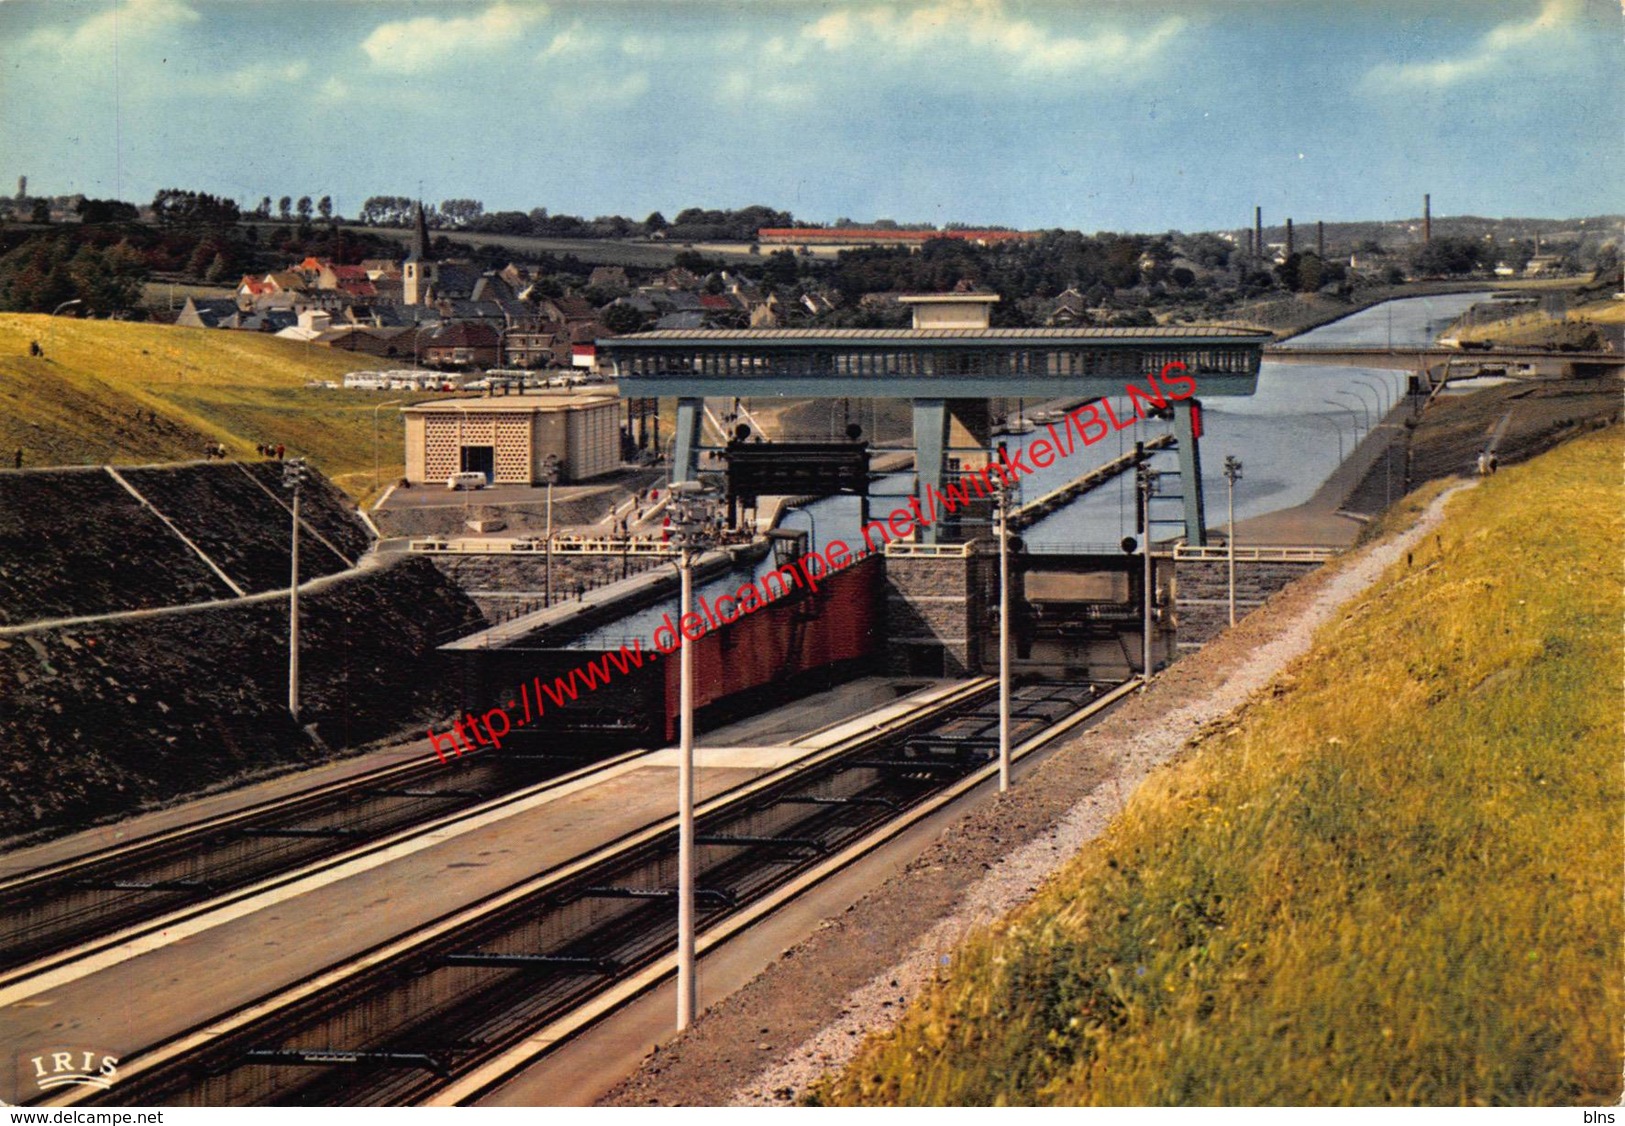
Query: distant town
point(452, 287)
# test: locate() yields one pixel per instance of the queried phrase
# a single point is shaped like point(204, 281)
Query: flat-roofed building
point(509, 438)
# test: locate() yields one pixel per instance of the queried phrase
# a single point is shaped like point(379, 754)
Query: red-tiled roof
point(869, 234)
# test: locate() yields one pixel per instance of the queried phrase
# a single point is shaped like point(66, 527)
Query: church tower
point(418, 271)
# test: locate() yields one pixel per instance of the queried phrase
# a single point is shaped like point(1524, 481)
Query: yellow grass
point(88, 400)
point(1394, 880)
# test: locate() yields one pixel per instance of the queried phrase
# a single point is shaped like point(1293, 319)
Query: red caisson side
point(802, 633)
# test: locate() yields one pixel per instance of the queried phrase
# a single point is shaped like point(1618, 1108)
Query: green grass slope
point(1397, 880)
point(91, 398)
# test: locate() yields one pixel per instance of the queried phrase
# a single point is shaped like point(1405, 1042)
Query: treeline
point(102, 262)
point(694, 224)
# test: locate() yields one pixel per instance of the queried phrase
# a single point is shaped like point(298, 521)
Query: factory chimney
point(1320, 239)
point(1427, 218)
point(1258, 232)
point(1289, 238)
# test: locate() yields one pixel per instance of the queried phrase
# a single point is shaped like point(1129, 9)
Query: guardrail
point(900, 550)
point(538, 546)
point(1256, 554)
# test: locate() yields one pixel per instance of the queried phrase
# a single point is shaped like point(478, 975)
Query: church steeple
point(420, 236)
point(418, 271)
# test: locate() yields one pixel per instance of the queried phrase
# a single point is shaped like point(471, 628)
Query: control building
point(509, 438)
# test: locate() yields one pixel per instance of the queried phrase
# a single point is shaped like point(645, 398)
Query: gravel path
point(809, 1012)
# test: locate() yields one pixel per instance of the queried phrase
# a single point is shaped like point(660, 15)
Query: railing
point(538, 546)
point(1256, 554)
point(900, 550)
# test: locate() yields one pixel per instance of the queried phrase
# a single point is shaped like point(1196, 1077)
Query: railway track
point(450, 1010)
point(56, 914)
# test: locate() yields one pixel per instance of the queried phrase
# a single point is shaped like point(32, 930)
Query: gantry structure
point(945, 373)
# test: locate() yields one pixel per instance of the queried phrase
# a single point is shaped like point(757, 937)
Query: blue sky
point(1090, 115)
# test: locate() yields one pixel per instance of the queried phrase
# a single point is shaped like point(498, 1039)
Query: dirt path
point(809, 1012)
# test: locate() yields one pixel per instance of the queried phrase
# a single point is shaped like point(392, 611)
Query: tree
point(655, 223)
point(93, 211)
point(461, 212)
point(621, 319)
point(41, 212)
point(264, 209)
point(324, 207)
point(303, 207)
point(284, 207)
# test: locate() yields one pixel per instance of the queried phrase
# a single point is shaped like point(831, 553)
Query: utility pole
point(1148, 487)
point(1232, 474)
point(293, 477)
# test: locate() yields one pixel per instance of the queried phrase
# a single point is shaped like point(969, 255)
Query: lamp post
point(1376, 400)
point(690, 529)
point(1002, 499)
point(1354, 425)
point(293, 477)
point(375, 411)
point(1232, 474)
point(1364, 419)
point(1385, 394)
point(1148, 488)
point(550, 474)
point(1336, 429)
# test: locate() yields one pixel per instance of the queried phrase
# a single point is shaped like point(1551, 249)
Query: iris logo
point(71, 1067)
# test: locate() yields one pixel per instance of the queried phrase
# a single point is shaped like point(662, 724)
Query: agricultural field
point(1394, 878)
point(122, 393)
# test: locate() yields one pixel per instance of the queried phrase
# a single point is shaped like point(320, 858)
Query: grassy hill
point(1396, 880)
point(92, 397)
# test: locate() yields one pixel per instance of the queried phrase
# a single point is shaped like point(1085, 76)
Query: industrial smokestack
point(1427, 218)
point(1320, 239)
point(1258, 232)
point(1289, 238)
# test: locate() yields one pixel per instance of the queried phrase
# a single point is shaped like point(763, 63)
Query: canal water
point(1289, 435)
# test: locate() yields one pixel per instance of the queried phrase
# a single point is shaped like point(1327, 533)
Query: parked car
point(466, 481)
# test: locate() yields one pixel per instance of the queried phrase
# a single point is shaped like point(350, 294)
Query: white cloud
point(985, 27)
point(124, 24)
point(429, 42)
point(1492, 55)
point(573, 40)
point(258, 77)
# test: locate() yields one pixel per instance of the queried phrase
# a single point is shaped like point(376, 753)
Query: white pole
point(1231, 481)
point(1004, 639)
point(1145, 548)
point(293, 617)
point(547, 589)
point(686, 992)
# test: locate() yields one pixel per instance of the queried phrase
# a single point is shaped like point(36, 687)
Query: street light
point(550, 474)
point(1376, 399)
point(1354, 425)
point(1232, 474)
point(1001, 494)
point(375, 411)
point(690, 526)
point(1385, 394)
point(1148, 488)
point(293, 477)
point(1365, 415)
point(1335, 427)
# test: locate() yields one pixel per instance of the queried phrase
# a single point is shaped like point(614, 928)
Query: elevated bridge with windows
point(947, 373)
